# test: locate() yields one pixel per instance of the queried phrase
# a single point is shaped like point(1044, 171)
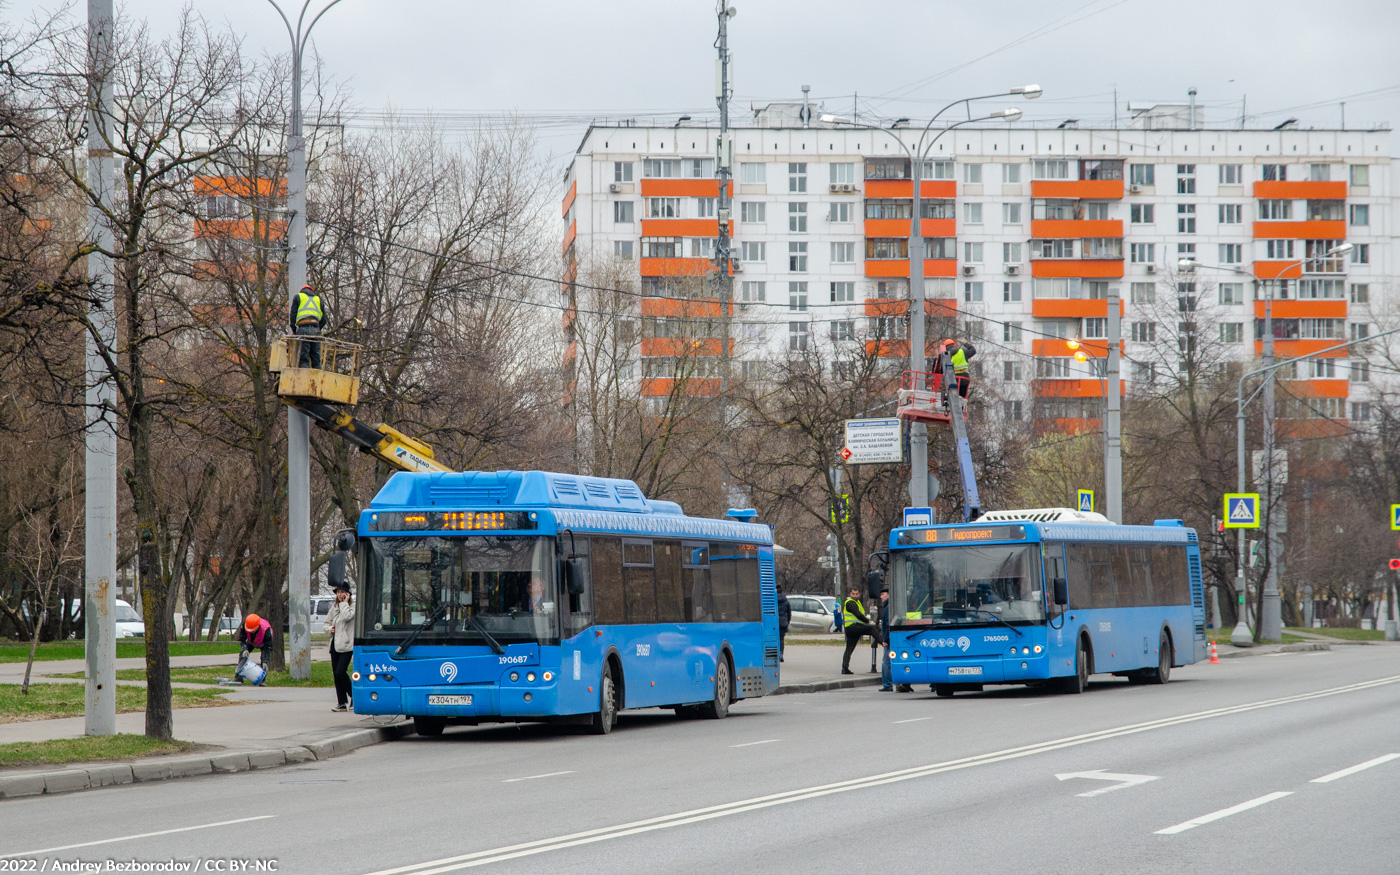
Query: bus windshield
point(502, 586)
point(957, 585)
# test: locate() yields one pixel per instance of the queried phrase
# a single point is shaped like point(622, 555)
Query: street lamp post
point(298, 424)
point(1271, 616)
point(918, 433)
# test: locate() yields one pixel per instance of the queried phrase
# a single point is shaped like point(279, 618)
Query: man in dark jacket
point(857, 626)
point(308, 318)
point(886, 677)
point(784, 620)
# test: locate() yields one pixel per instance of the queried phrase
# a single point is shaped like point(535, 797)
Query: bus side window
point(580, 614)
point(607, 581)
point(1054, 567)
point(1140, 565)
point(747, 584)
point(695, 574)
point(724, 562)
point(670, 604)
point(1077, 560)
point(639, 581)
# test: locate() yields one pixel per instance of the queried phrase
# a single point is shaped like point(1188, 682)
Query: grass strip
point(1344, 634)
point(85, 749)
point(47, 701)
point(211, 674)
point(128, 648)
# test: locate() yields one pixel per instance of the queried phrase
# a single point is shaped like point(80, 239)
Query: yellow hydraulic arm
point(327, 394)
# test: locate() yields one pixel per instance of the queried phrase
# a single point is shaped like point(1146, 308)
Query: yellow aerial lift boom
point(329, 393)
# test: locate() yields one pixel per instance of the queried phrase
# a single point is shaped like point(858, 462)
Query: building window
point(1056, 248)
point(1142, 174)
point(1011, 173)
point(622, 250)
point(1050, 168)
point(972, 173)
point(972, 213)
point(1359, 330)
point(797, 297)
point(843, 253)
point(1185, 218)
point(753, 211)
point(1231, 253)
point(1361, 411)
point(972, 292)
point(937, 208)
point(1231, 174)
point(1185, 179)
point(1058, 328)
point(1361, 254)
point(886, 248)
point(887, 168)
point(751, 172)
point(844, 329)
point(797, 176)
point(1326, 211)
point(699, 168)
point(1012, 372)
point(1320, 172)
point(843, 173)
point(663, 208)
point(1144, 332)
point(1232, 332)
point(1011, 292)
point(1142, 253)
point(885, 208)
point(755, 252)
point(753, 292)
point(1186, 250)
point(622, 212)
point(1012, 410)
point(1231, 214)
point(1058, 287)
point(840, 212)
point(1142, 293)
point(939, 170)
point(1102, 247)
point(1141, 214)
point(1011, 332)
point(797, 218)
point(1011, 253)
point(1101, 169)
point(1360, 174)
point(1052, 368)
point(622, 171)
point(972, 253)
point(797, 335)
point(843, 293)
point(1359, 371)
point(1096, 211)
point(1360, 214)
point(1186, 297)
point(1010, 213)
point(705, 207)
point(702, 247)
point(1096, 328)
point(1144, 372)
point(661, 168)
point(662, 247)
point(1360, 293)
point(797, 257)
point(1275, 172)
point(1231, 294)
point(941, 247)
point(1278, 249)
point(1318, 289)
point(1324, 369)
point(1275, 210)
point(1057, 208)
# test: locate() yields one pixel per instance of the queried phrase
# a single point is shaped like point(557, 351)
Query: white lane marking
point(540, 846)
point(912, 720)
point(144, 835)
point(1222, 813)
point(1124, 780)
point(1327, 779)
point(752, 743)
point(533, 777)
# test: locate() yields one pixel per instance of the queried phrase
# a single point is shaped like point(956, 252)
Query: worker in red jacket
point(256, 632)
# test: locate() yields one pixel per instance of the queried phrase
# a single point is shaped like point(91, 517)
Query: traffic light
point(840, 509)
point(1395, 565)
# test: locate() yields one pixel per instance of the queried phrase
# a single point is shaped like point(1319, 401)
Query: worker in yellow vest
point(959, 353)
point(308, 319)
point(857, 625)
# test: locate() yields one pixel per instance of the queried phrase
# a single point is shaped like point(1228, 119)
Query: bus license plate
point(449, 700)
point(965, 669)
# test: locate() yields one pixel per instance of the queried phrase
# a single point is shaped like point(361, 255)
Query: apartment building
point(1025, 230)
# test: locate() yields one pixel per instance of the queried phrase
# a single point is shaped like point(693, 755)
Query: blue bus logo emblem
point(448, 671)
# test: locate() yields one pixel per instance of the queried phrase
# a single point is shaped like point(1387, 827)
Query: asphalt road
point(1217, 770)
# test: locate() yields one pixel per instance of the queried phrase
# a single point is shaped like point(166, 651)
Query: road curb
point(165, 768)
point(824, 686)
point(1267, 649)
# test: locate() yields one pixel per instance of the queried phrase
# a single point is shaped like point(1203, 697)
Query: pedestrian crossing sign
point(1241, 510)
point(1395, 516)
point(1086, 500)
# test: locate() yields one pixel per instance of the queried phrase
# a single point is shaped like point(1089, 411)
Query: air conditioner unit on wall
point(1013, 269)
point(737, 265)
point(614, 187)
point(1150, 268)
point(1134, 189)
point(842, 187)
point(969, 270)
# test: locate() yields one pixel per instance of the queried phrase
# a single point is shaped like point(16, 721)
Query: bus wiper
point(476, 624)
point(427, 624)
point(998, 619)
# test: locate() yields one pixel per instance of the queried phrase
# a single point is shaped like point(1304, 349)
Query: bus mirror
point(575, 575)
point(1061, 591)
point(874, 582)
point(335, 568)
point(345, 539)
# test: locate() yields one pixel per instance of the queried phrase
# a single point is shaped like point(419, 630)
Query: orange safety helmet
point(251, 622)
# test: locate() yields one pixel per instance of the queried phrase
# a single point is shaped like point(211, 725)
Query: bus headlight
point(374, 697)
point(528, 697)
point(1025, 650)
point(904, 655)
point(916, 654)
point(548, 676)
point(354, 676)
point(515, 676)
point(1037, 648)
point(371, 677)
point(530, 677)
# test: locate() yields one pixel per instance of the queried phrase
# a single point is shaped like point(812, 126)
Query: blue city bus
point(1039, 600)
point(530, 596)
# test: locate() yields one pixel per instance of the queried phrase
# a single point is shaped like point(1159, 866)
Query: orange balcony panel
point(1304, 309)
point(1091, 388)
point(939, 227)
point(1300, 230)
point(570, 274)
point(660, 387)
point(890, 188)
point(886, 267)
point(887, 228)
point(239, 229)
point(675, 266)
point(570, 317)
point(676, 346)
point(570, 353)
point(1314, 429)
point(1077, 267)
point(1284, 349)
point(1301, 190)
point(1315, 388)
point(1065, 426)
point(1271, 270)
point(936, 188)
point(686, 307)
point(940, 267)
point(238, 186)
point(1072, 308)
point(1093, 189)
point(886, 349)
point(682, 228)
point(569, 197)
point(942, 307)
point(1077, 228)
point(1054, 347)
point(682, 188)
point(570, 234)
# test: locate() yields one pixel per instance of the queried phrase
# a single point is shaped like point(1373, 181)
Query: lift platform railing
point(334, 379)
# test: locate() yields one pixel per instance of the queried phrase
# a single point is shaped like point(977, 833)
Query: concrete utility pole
point(298, 423)
point(100, 472)
point(1113, 418)
point(1270, 617)
point(724, 157)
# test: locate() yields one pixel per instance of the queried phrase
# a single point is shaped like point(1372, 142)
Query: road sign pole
point(1241, 636)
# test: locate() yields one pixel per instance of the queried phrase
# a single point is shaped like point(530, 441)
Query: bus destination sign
point(981, 533)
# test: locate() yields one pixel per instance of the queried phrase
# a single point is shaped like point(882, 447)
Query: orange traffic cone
point(1214, 655)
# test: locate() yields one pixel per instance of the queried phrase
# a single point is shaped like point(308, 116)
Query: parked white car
point(129, 623)
point(812, 613)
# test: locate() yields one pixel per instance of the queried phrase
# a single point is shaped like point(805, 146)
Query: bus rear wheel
point(606, 716)
point(718, 708)
point(429, 726)
point(1163, 672)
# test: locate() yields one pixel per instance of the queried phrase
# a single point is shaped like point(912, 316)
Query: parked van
point(129, 623)
point(320, 609)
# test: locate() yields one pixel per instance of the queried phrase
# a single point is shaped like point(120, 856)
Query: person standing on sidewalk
point(886, 678)
point(340, 623)
point(784, 620)
point(857, 626)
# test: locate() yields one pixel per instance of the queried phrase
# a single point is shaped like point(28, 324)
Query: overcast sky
point(564, 62)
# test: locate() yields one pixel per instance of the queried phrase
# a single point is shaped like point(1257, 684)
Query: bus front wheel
point(1077, 682)
point(606, 717)
point(429, 726)
point(718, 708)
